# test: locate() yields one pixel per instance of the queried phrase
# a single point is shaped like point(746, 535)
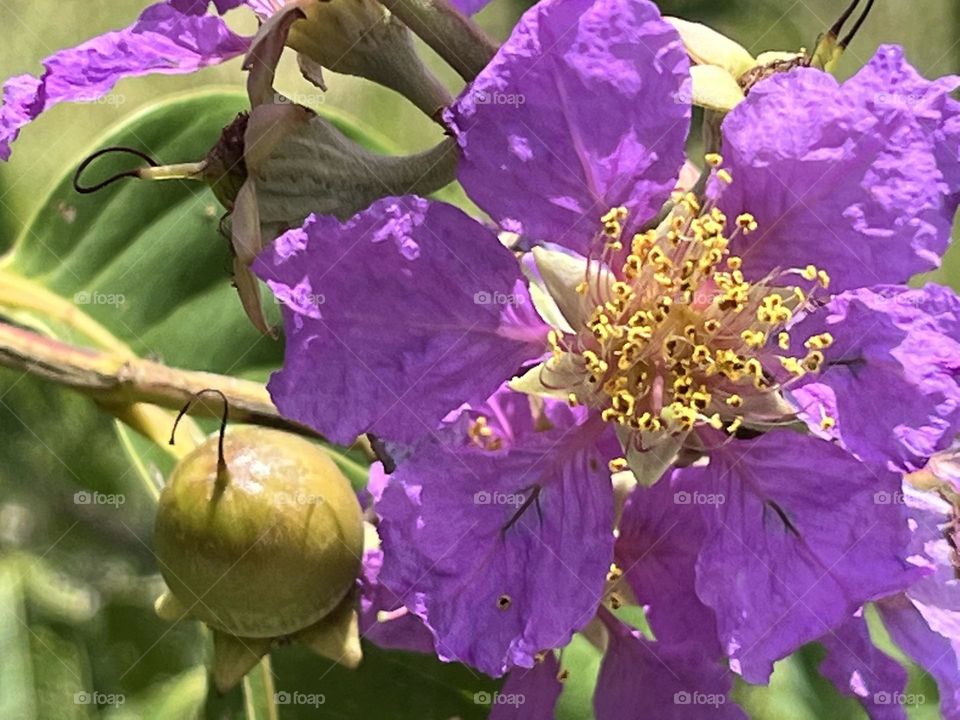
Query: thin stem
point(114, 380)
point(454, 37)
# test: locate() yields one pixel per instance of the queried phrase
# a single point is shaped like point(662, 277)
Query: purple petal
point(384, 620)
point(936, 596)
point(797, 544)
point(580, 111)
point(892, 377)
point(853, 178)
point(675, 681)
point(170, 38)
point(504, 552)
point(661, 534)
point(394, 318)
point(529, 694)
point(934, 653)
point(860, 670)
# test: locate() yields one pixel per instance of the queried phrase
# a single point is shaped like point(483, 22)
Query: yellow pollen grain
point(617, 465)
point(747, 223)
point(714, 159)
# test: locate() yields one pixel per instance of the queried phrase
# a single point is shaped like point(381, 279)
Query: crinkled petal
point(860, 670)
point(936, 596)
point(671, 681)
point(384, 619)
point(852, 178)
point(892, 380)
point(661, 534)
point(172, 37)
point(394, 318)
point(503, 552)
point(934, 653)
point(581, 110)
point(529, 694)
point(797, 544)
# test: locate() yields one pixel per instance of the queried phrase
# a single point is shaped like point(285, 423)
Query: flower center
point(673, 336)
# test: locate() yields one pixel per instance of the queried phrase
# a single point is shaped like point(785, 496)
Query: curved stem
point(454, 37)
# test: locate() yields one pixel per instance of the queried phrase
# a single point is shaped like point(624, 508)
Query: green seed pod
point(262, 542)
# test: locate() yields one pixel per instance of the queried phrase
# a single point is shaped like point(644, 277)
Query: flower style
point(741, 338)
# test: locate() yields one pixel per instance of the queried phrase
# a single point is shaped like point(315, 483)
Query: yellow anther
point(609, 415)
point(613, 223)
point(572, 400)
point(624, 402)
point(734, 262)
point(734, 401)
point(824, 279)
point(827, 422)
point(482, 435)
point(724, 175)
point(813, 361)
point(735, 425)
point(700, 355)
point(819, 342)
point(747, 223)
point(712, 325)
point(617, 465)
point(622, 290)
point(714, 159)
point(716, 422)
point(783, 340)
point(700, 400)
point(754, 339)
point(792, 366)
point(809, 273)
point(582, 287)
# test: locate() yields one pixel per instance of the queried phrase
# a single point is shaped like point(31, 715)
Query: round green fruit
point(266, 548)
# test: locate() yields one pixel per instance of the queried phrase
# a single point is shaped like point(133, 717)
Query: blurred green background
point(77, 581)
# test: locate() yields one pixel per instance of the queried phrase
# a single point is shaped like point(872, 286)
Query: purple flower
point(171, 37)
point(697, 341)
point(176, 37)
